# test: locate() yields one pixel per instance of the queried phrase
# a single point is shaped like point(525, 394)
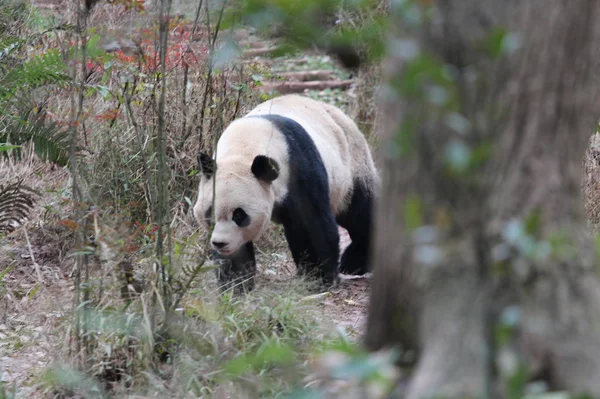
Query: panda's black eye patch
point(208, 213)
point(240, 217)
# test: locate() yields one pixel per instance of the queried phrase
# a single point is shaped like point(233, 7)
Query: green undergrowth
point(257, 345)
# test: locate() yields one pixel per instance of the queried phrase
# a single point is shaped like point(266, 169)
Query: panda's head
point(243, 202)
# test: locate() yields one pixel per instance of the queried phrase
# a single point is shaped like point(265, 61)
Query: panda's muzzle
point(222, 248)
point(219, 244)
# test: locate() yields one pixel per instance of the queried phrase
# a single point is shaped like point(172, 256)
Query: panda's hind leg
point(357, 220)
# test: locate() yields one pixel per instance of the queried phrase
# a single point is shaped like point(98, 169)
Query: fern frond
point(16, 202)
point(40, 70)
point(50, 142)
point(45, 69)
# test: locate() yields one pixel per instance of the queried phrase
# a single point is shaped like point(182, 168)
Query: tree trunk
point(484, 268)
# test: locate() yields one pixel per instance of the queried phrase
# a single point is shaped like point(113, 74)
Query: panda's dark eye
point(240, 217)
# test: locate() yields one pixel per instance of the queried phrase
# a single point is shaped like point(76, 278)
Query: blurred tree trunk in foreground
point(482, 252)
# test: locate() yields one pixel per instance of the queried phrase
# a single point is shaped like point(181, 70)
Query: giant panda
point(297, 162)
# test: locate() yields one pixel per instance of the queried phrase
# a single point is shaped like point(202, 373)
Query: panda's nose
point(219, 244)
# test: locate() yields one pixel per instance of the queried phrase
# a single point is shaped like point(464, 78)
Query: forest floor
point(36, 285)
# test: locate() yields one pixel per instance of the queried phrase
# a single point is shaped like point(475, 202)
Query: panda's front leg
point(237, 271)
point(314, 244)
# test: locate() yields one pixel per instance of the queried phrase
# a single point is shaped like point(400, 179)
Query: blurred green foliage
point(8, 393)
point(313, 23)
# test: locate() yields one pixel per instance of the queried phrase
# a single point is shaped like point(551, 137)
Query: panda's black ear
point(265, 168)
point(206, 165)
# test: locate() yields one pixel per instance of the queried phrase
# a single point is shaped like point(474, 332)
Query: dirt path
point(346, 306)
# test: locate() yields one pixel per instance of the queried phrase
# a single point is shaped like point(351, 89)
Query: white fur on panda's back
point(329, 138)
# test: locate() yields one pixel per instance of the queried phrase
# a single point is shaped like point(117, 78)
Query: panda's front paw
point(236, 277)
point(239, 281)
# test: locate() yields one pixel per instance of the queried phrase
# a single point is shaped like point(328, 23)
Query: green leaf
point(106, 74)
point(82, 252)
point(413, 212)
point(494, 42)
point(8, 147)
point(272, 353)
point(94, 48)
point(33, 292)
point(104, 92)
point(5, 272)
point(517, 382)
point(480, 155)
point(500, 42)
point(533, 223)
